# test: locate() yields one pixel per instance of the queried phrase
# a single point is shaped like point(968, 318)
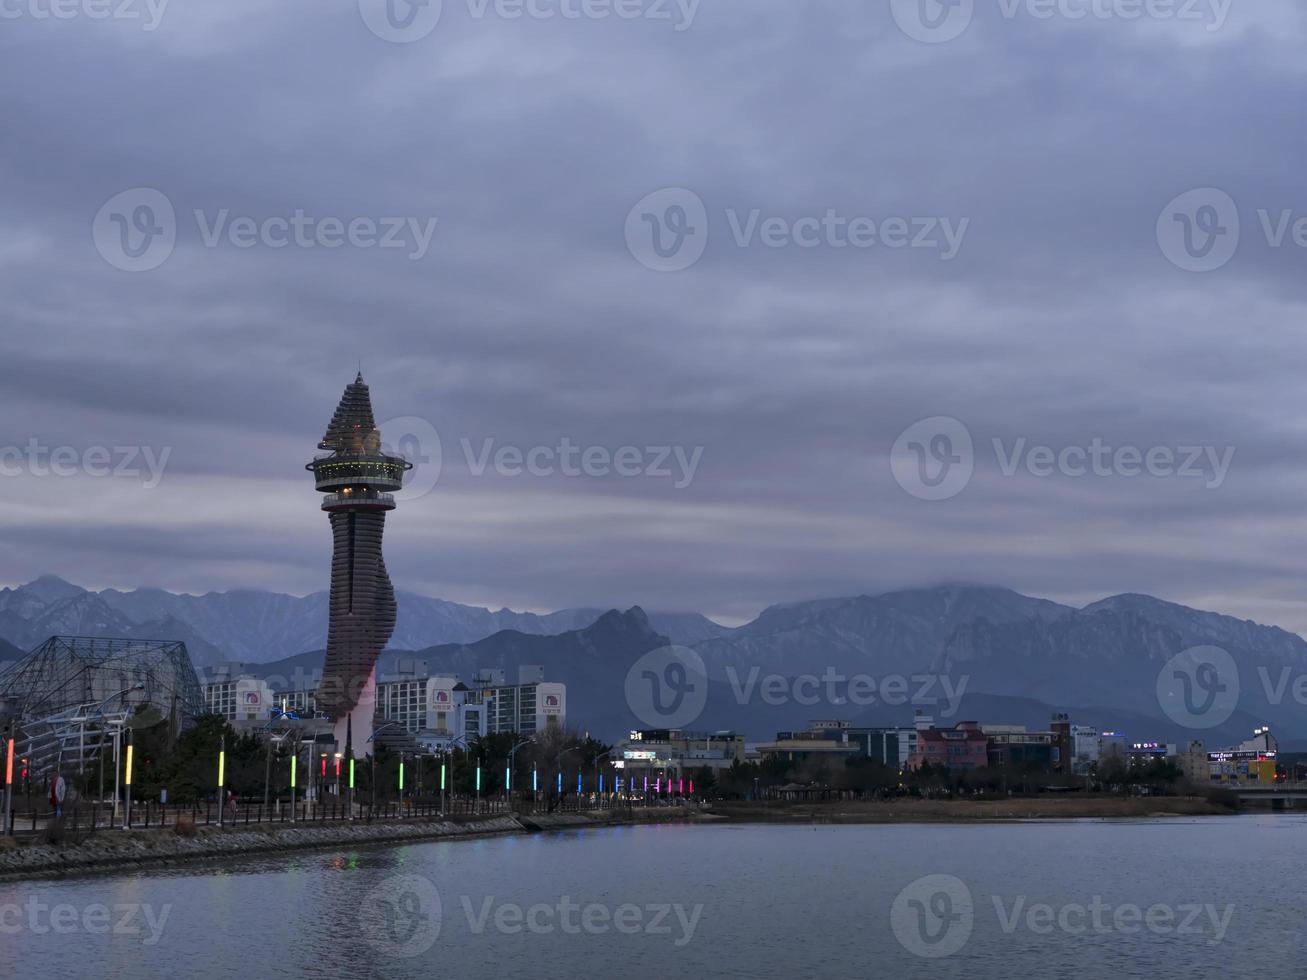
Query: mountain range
point(988, 654)
point(251, 626)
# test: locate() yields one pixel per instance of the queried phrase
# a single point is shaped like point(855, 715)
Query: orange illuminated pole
point(5, 823)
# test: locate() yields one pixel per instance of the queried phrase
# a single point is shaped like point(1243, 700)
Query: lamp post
point(9, 777)
point(449, 755)
point(598, 783)
point(508, 773)
point(99, 710)
point(562, 753)
point(375, 733)
point(127, 782)
point(222, 777)
point(294, 767)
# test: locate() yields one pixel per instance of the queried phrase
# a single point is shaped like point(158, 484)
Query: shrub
point(185, 826)
point(55, 831)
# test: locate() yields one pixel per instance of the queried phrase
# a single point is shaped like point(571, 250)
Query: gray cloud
point(1059, 320)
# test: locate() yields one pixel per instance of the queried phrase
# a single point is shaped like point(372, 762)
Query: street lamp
point(222, 777)
point(508, 773)
point(598, 783)
point(448, 753)
point(563, 752)
point(375, 733)
point(99, 710)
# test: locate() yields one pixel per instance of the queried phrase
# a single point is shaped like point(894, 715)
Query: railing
point(357, 499)
point(92, 816)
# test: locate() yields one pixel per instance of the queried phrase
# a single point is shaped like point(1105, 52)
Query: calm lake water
point(1157, 899)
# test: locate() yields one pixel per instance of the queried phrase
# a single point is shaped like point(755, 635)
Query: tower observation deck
point(357, 478)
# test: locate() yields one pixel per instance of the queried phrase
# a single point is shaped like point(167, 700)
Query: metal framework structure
point(72, 695)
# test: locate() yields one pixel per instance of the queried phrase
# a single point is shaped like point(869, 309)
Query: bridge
point(1277, 796)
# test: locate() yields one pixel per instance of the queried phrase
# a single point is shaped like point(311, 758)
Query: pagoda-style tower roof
point(353, 422)
point(356, 472)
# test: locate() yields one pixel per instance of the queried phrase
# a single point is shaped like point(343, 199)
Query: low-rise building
point(964, 746)
point(243, 700)
point(662, 755)
point(826, 738)
point(1251, 761)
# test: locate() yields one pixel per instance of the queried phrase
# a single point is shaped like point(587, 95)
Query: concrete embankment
point(120, 850)
point(968, 810)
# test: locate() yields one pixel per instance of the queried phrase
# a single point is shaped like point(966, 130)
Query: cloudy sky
point(705, 265)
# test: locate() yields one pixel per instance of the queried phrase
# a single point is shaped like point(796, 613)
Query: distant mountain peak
point(50, 588)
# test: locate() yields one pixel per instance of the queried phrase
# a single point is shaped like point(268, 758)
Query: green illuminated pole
point(351, 788)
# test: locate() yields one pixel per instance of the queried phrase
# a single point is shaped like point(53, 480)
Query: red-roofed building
point(964, 746)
